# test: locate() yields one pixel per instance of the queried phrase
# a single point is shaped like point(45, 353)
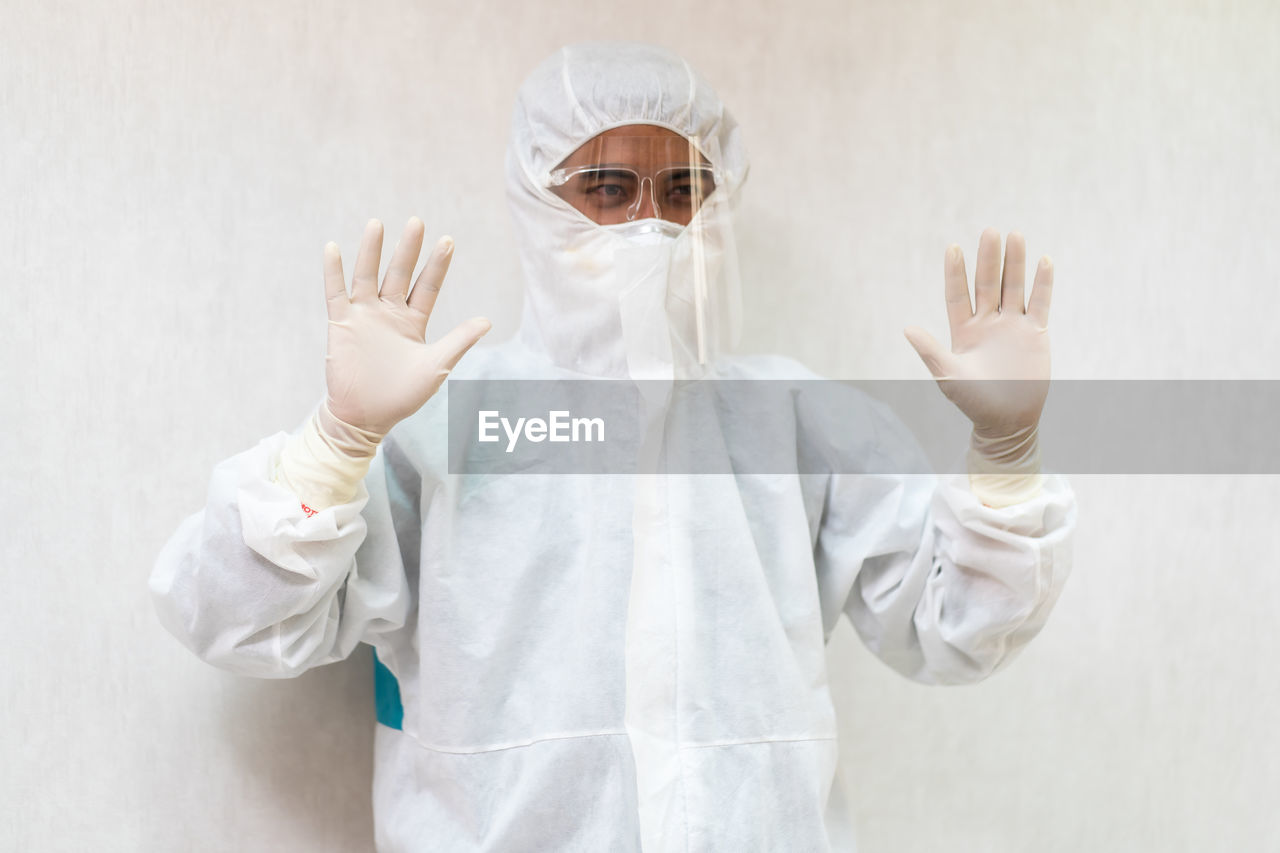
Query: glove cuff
point(1005, 471)
point(325, 462)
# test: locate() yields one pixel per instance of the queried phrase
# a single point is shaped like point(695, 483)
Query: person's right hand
point(379, 369)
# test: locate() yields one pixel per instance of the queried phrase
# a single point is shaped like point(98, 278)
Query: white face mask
point(647, 299)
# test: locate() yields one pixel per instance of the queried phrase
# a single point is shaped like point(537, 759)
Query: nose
point(646, 204)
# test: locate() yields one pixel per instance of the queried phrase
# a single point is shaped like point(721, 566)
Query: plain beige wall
point(170, 172)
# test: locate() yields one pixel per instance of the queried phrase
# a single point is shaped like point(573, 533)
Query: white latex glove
point(379, 369)
point(997, 371)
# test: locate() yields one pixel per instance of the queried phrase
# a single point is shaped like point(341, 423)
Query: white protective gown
point(607, 662)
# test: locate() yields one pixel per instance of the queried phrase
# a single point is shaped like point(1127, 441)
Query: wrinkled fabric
point(608, 662)
point(502, 606)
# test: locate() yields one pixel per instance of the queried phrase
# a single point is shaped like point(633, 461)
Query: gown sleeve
point(256, 585)
point(940, 587)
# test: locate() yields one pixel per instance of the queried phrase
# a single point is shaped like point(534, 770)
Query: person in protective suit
point(589, 662)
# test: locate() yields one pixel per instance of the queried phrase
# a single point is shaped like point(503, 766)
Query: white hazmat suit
point(606, 662)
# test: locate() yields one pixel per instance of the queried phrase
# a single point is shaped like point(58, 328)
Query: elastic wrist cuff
point(1002, 490)
point(324, 463)
point(1005, 471)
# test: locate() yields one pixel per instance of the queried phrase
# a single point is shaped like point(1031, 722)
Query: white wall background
point(170, 171)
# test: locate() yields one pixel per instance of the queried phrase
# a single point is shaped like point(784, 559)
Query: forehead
point(642, 145)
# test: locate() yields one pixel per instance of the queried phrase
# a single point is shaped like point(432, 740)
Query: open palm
point(997, 370)
point(379, 369)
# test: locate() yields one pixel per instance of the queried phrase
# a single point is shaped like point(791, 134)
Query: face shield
point(656, 238)
point(638, 244)
point(622, 173)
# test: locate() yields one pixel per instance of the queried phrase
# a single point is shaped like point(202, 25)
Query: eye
point(684, 188)
point(608, 188)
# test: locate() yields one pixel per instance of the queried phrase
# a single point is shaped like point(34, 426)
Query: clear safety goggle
point(619, 179)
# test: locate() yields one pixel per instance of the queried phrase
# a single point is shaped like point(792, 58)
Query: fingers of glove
point(395, 284)
point(335, 286)
point(1013, 281)
point(986, 275)
point(1041, 293)
point(932, 353)
point(454, 345)
point(364, 280)
point(427, 287)
point(959, 310)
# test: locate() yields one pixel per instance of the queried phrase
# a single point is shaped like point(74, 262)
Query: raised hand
point(379, 369)
point(993, 339)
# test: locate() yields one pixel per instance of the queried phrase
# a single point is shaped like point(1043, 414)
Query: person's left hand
point(996, 339)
